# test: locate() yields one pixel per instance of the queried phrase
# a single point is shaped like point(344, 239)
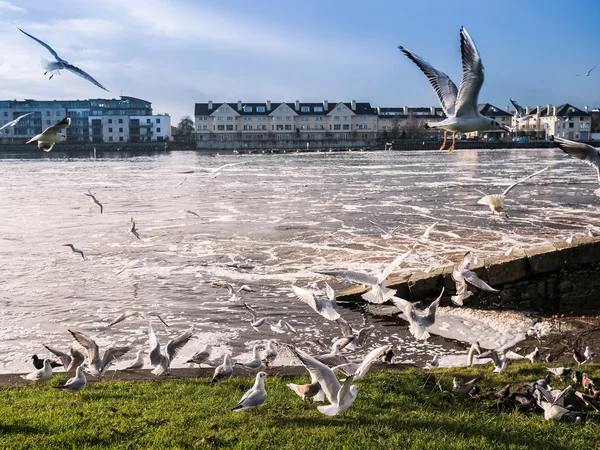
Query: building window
point(121, 138)
point(259, 109)
point(570, 124)
point(158, 130)
point(110, 138)
point(304, 118)
point(279, 118)
point(47, 113)
point(318, 109)
point(148, 121)
point(120, 120)
point(288, 127)
point(279, 127)
point(5, 113)
point(319, 119)
point(229, 117)
point(157, 120)
point(57, 113)
point(205, 127)
point(305, 108)
point(336, 117)
point(120, 130)
point(109, 120)
point(341, 109)
point(337, 126)
point(346, 127)
point(288, 117)
point(110, 130)
point(220, 118)
point(220, 127)
point(346, 117)
point(284, 109)
point(246, 108)
point(229, 127)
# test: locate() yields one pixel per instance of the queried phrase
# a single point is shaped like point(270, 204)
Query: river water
point(271, 221)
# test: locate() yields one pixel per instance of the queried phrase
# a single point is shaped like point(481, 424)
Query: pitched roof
point(421, 112)
point(201, 109)
point(488, 109)
point(564, 110)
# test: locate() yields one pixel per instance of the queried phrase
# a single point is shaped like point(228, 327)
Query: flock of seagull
point(460, 106)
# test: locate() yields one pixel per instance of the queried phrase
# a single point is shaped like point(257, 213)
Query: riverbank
point(394, 409)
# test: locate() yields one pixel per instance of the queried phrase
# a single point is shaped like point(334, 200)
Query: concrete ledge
point(550, 278)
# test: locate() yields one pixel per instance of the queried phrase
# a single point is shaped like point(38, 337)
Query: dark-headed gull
point(496, 201)
point(13, 123)
point(460, 105)
point(323, 306)
point(584, 152)
point(137, 363)
point(269, 354)
point(162, 360)
point(341, 397)
point(97, 366)
point(60, 64)
point(352, 339)
point(419, 320)
point(256, 396)
point(522, 116)
point(93, 199)
point(378, 293)
point(51, 135)
point(254, 363)
point(38, 363)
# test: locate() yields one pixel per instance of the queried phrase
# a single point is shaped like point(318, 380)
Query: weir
point(551, 279)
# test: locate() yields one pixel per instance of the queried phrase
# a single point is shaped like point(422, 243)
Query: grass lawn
point(394, 409)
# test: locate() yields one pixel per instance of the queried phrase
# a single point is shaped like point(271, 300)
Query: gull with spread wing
point(236, 295)
point(14, 123)
point(459, 105)
point(341, 397)
point(162, 360)
point(324, 306)
point(93, 199)
point(127, 314)
point(96, 365)
point(419, 320)
point(75, 250)
point(584, 152)
point(463, 276)
point(378, 293)
point(60, 64)
point(388, 233)
point(352, 339)
point(359, 370)
point(69, 362)
point(213, 172)
point(51, 135)
point(521, 115)
point(496, 201)
point(586, 74)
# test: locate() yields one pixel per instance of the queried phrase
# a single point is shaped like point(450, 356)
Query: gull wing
point(343, 394)
point(474, 280)
point(55, 129)
point(466, 262)
point(350, 275)
point(330, 292)
point(321, 373)
point(155, 354)
point(404, 305)
point(442, 84)
point(176, 344)
point(371, 357)
point(425, 235)
point(246, 288)
point(251, 310)
point(65, 359)
point(121, 317)
point(472, 79)
point(393, 266)
point(83, 74)
point(524, 179)
point(519, 108)
point(43, 44)
point(382, 228)
point(284, 324)
point(77, 357)
point(14, 122)
point(345, 327)
point(364, 333)
point(431, 309)
point(584, 152)
point(306, 296)
point(89, 344)
point(112, 354)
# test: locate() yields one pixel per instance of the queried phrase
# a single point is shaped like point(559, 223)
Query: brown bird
point(587, 383)
point(308, 391)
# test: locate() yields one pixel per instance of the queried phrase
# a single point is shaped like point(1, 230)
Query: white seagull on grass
point(51, 135)
point(60, 64)
point(43, 374)
point(75, 384)
point(162, 361)
point(460, 105)
point(496, 201)
point(254, 397)
point(224, 371)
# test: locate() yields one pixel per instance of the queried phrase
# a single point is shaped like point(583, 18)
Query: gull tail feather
point(418, 331)
point(329, 410)
point(378, 294)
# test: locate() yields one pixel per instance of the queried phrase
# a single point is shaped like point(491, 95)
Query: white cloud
point(11, 7)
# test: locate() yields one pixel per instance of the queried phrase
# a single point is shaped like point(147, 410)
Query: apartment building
point(566, 121)
point(94, 120)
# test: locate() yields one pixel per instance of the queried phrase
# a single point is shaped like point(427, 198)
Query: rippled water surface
point(269, 222)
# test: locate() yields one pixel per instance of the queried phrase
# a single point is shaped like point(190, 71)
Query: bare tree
point(414, 126)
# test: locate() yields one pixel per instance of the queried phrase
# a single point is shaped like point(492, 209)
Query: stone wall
point(552, 278)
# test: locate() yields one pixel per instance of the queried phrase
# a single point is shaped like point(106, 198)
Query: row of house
point(239, 121)
point(127, 119)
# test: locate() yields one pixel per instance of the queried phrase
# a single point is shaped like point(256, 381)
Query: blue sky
point(176, 53)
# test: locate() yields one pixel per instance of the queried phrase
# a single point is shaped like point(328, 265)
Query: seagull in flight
point(235, 293)
point(586, 74)
point(93, 199)
point(378, 293)
point(579, 150)
point(213, 172)
point(13, 123)
point(97, 365)
point(419, 320)
point(460, 105)
point(464, 276)
point(126, 314)
point(522, 116)
point(51, 135)
point(75, 250)
point(69, 362)
point(133, 230)
point(496, 201)
point(323, 306)
point(60, 64)
point(387, 232)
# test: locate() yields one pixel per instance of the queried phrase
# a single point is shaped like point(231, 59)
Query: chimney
point(539, 110)
point(586, 108)
point(210, 104)
point(325, 105)
point(379, 110)
point(268, 105)
point(507, 109)
point(554, 111)
point(353, 105)
point(405, 110)
point(527, 110)
point(297, 105)
point(548, 109)
point(432, 110)
point(239, 105)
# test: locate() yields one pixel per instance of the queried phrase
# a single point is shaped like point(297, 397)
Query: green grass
point(394, 409)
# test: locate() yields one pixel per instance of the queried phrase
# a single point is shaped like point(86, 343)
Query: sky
point(179, 52)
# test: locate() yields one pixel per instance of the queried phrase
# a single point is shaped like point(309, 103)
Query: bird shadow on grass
point(17, 428)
